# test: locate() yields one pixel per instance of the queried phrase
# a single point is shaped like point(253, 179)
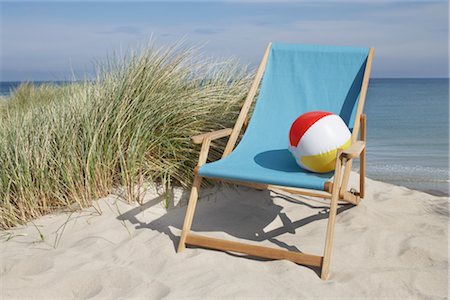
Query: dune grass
point(64, 146)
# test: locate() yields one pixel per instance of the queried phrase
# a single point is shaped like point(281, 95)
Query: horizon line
point(65, 80)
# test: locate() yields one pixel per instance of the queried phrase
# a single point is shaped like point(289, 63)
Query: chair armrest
point(198, 139)
point(354, 150)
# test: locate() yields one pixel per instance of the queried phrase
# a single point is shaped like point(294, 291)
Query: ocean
point(407, 132)
point(7, 87)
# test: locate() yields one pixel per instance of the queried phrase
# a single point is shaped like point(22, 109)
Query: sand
point(393, 245)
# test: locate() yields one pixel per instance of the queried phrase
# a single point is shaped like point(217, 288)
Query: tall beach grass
point(64, 146)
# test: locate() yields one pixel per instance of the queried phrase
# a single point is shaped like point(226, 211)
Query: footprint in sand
point(31, 266)
point(87, 290)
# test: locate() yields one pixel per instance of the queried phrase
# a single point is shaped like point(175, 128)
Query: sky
point(59, 40)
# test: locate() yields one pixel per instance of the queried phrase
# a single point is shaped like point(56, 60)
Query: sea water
point(6, 87)
point(407, 132)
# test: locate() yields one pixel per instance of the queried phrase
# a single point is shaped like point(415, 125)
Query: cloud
point(207, 31)
point(410, 40)
point(133, 30)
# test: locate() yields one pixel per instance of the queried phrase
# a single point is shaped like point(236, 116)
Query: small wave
point(411, 179)
point(430, 179)
point(424, 172)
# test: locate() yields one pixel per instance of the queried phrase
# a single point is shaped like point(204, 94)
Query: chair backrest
point(302, 78)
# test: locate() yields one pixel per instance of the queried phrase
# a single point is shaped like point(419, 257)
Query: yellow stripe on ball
point(324, 162)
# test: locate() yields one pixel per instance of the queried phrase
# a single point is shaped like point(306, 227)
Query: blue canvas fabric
point(297, 79)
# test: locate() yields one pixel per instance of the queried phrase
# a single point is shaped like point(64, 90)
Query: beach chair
point(295, 79)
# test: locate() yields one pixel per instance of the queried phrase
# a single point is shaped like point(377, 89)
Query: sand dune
point(393, 245)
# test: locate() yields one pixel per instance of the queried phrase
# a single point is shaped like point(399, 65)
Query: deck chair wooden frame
point(335, 190)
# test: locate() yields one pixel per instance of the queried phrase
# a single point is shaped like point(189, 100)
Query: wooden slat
point(348, 154)
point(198, 139)
point(350, 198)
point(298, 191)
point(356, 124)
point(362, 158)
point(332, 218)
point(292, 190)
point(204, 152)
point(254, 250)
point(346, 176)
point(354, 150)
point(247, 103)
point(193, 197)
point(362, 95)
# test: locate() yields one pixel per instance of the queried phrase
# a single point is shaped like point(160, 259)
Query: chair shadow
point(243, 218)
point(280, 160)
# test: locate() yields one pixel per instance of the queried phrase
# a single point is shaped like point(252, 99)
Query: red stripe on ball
point(302, 124)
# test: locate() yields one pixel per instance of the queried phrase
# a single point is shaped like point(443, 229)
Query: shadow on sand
point(245, 216)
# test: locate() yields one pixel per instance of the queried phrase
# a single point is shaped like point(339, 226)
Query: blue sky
point(50, 40)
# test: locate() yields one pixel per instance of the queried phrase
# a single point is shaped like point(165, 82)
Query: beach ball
point(314, 138)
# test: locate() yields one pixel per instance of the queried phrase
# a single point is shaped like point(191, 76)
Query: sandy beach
point(393, 245)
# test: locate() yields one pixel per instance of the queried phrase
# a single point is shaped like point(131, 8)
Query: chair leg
point(362, 158)
point(362, 173)
point(190, 212)
point(331, 221)
point(345, 178)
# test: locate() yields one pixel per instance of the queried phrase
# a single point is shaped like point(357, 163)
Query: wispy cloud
point(410, 39)
point(207, 31)
point(124, 30)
